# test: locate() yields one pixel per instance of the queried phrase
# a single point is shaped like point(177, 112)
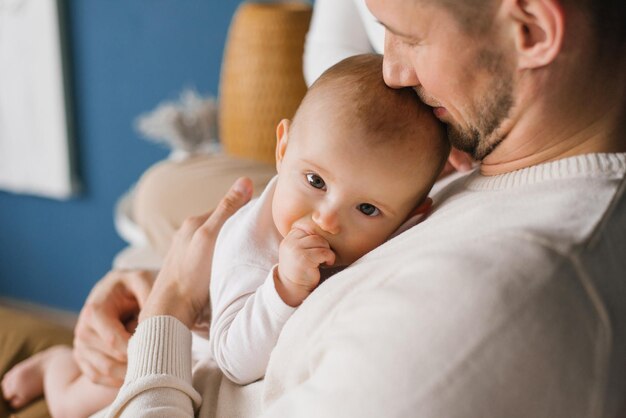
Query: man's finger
point(238, 195)
point(99, 368)
point(87, 341)
point(189, 226)
point(141, 287)
point(112, 333)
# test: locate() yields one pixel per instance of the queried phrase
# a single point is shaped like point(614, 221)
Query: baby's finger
point(297, 233)
point(320, 256)
point(313, 241)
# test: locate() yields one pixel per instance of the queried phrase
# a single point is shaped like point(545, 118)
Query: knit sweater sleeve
point(158, 380)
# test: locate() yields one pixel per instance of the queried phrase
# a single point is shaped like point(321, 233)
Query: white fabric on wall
point(34, 140)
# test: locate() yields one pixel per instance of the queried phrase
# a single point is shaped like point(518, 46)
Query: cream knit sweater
point(509, 301)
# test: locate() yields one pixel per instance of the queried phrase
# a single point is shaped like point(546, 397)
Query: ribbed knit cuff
point(161, 345)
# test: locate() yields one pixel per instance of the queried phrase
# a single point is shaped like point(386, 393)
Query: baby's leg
point(68, 393)
point(71, 394)
point(24, 382)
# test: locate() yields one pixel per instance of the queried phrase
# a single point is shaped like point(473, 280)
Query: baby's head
point(358, 159)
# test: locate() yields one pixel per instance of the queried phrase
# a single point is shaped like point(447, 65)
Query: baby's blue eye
point(316, 181)
point(369, 210)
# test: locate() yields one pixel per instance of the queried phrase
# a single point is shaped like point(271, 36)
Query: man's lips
point(440, 112)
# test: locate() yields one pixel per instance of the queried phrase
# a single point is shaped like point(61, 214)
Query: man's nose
point(398, 71)
point(327, 219)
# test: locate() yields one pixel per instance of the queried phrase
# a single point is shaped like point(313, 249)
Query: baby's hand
point(299, 258)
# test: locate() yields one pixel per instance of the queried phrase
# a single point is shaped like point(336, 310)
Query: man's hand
point(100, 336)
point(300, 256)
point(182, 286)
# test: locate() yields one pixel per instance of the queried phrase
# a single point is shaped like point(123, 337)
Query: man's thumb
point(238, 195)
point(243, 187)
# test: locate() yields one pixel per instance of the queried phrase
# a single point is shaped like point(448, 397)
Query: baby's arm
point(300, 256)
point(251, 306)
point(248, 316)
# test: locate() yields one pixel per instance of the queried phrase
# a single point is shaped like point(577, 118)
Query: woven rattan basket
point(261, 80)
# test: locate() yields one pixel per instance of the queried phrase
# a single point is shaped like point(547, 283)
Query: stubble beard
point(490, 111)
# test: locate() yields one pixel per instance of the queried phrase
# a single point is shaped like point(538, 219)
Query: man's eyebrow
point(394, 31)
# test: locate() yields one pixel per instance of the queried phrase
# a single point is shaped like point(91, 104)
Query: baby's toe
point(8, 387)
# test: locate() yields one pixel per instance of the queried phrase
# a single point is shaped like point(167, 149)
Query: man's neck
point(578, 125)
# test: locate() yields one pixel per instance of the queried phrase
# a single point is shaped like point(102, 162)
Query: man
point(507, 302)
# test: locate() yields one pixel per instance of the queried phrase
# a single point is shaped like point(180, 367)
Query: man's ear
point(539, 27)
point(282, 136)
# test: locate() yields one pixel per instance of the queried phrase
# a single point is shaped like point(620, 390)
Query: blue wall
point(126, 56)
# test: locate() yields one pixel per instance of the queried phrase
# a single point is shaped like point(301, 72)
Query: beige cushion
point(171, 191)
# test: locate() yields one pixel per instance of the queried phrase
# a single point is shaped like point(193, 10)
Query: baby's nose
point(327, 221)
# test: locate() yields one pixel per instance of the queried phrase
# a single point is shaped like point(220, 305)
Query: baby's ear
point(422, 209)
point(416, 216)
point(282, 136)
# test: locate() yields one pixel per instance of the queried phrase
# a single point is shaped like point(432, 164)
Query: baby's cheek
point(284, 218)
point(278, 215)
point(376, 238)
point(357, 248)
point(281, 225)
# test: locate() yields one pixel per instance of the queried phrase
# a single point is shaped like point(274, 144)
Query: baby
point(354, 166)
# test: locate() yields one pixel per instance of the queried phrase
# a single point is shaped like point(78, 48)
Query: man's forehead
point(398, 16)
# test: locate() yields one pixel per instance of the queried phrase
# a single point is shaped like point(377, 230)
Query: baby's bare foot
point(24, 382)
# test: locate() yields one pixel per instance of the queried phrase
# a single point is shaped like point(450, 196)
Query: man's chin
point(473, 143)
point(464, 141)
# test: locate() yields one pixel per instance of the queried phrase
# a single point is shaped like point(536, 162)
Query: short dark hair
point(474, 16)
point(606, 18)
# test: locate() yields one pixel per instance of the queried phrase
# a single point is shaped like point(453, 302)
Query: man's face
point(463, 77)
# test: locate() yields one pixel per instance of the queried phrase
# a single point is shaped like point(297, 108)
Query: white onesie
point(247, 314)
